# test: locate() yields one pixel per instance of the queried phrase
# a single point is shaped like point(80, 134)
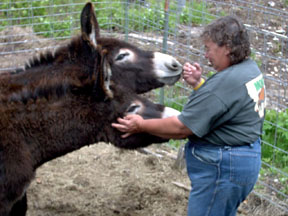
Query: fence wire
point(28, 27)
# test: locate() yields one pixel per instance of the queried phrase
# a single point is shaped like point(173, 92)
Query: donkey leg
point(20, 207)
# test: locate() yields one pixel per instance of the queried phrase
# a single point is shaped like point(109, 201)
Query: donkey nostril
point(175, 65)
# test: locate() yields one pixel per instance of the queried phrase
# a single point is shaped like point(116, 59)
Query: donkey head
point(137, 69)
point(115, 100)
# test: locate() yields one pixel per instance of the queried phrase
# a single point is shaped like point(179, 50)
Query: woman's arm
point(169, 128)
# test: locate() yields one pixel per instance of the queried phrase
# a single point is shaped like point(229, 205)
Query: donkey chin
point(140, 140)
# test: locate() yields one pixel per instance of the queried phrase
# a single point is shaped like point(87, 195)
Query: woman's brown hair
point(229, 31)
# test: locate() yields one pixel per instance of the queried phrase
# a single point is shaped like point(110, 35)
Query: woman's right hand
point(192, 74)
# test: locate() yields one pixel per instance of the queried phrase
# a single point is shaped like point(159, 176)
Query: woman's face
point(218, 56)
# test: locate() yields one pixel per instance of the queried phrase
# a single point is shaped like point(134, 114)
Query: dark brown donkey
point(137, 69)
point(66, 100)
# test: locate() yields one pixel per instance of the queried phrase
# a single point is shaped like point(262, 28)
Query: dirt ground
point(101, 180)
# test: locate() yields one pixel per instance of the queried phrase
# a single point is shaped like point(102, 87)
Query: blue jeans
point(221, 177)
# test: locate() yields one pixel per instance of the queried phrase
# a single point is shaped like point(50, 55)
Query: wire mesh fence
point(28, 27)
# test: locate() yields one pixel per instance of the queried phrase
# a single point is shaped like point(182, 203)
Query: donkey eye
point(121, 56)
point(133, 109)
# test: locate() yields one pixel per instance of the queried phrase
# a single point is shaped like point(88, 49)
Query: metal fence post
point(126, 19)
point(165, 37)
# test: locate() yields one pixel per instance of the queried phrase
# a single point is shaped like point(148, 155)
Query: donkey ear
point(89, 25)
point(103, 74)
point(106, 77)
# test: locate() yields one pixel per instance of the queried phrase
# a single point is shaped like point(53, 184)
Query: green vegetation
point(210, 73)
point(177, 143)
point(45, 18)
point(151, 16)
point(59, 19)
point(256, 59)
point(275, 148)
point(197, 13)
point(275, 133)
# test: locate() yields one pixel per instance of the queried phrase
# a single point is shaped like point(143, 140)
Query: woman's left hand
point(130, 124)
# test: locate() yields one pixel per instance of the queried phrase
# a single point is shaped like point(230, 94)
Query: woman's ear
point(227, 50)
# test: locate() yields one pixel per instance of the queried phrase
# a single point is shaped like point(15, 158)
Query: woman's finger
point(126, 135)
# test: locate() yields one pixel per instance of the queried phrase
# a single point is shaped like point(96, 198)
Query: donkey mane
point(56, 85)
point(49, 56)
point(44, 59)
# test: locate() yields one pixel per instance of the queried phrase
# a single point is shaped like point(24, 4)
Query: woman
point(222, 119)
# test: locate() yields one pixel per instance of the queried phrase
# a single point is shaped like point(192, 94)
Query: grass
point(58, 19)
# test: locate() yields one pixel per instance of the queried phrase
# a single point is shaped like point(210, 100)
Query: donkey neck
point(47, 77)
point(50, 130)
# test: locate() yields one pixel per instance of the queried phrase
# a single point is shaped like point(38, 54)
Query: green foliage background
point(60, 18)
point(275, 135)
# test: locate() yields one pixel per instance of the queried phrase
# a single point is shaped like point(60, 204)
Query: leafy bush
point(197, 15)
point(57, 18)
point(275, 135)
point(47, 19)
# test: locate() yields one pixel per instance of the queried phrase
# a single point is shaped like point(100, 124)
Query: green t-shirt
point(229, 108)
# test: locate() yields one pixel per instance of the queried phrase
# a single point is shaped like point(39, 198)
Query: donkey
point(38, 128)
point(66, 100)
point(139, 70)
